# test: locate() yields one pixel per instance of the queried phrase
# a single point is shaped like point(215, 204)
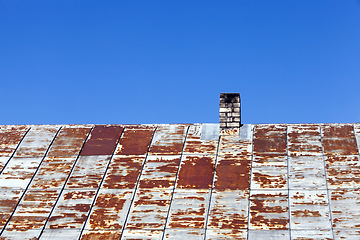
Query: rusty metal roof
point(180, 181)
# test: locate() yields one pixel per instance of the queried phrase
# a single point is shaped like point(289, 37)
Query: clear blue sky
point(82, 62)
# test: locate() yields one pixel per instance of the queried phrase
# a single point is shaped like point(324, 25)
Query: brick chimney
point(229, 111)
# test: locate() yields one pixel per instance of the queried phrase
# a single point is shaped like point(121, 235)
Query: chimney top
point(230, 111)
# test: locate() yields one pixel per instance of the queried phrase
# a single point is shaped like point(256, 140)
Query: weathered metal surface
point(309, 209)
point(210, 131)
point(339, 139)
point(149, 209)
point(196, 172)
point(229, 210)
point(33, 211)
point(168, 140)
point(346, 233)
point(270, 140)
point(123, 172)
point(343, 171)
point(345, 208)
point(189, 208)
point(110, 209)
point(232, 173)
point(304, 140)
point(246, 132)
point(101, 235)
point(71, 210)
point(102, 140)
point(269, 172)
point(23, 235)
point(269, 210)
point(60, 234)
point(269, 234)
point(307, 172)
point(8, 201)
point(226, 234)
point(10, 137)
point(69, 141)
point(194, 145)
point(88, 171)
point(134, 141)
point(18, 173)
point(53, 173)
point(132, 234)
point(159, 172)
point(37, 141)
point(321, 234)
point(180, 234)
point(357, 134)
point(232, 146)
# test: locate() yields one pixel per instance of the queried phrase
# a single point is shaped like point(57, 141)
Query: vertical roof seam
point(176, 176)
point(27, 187)
point(326, 181)
point(251, 167)
point(288, 177)
point(136, 186)
point(212, 187)
point(100, 184)
point(63, 187)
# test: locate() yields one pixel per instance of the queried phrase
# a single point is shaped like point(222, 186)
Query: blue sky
point(79, 62)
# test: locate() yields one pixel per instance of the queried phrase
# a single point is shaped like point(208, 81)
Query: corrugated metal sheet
point(270, 181)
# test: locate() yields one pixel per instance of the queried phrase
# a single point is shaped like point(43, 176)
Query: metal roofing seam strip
point(212, 187)
point(22, 196)
point(326, 183)
point(100, 184)
point(177, 174)
point(136, 186)
point(63, 187)
point(288, 176)
point(252, 159)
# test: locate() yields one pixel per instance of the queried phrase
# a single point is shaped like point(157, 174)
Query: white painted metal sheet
point(149, 209)
point(189, 209)
point(226, 234)
point(168, 140)
point(307, 172)
point(309, 209)
point(37, 141)
point(229, 210)
point(60, 234)
point(269, 235)
point(202, 139)
point(139, 234)
point(8, 200)
point(343, 171)
point(181, 234)
point(321, 234)
point(18, 172)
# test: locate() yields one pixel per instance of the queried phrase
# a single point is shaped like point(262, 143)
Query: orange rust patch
point(196, 172)
point(135, 142)
point(232, 174)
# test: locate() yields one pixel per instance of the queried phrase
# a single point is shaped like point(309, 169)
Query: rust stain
point(8, 202)
point(53, 174)
point(102, 140)
point(304, 140)
point(71, 210)
point(159, 172)
point(134, 142)
point(10, 137)
point(149, 210)
point(194, 145)
point(232, 174)
point(88, 171)
point(168, 140)
point(110, 209)
point(343, 171)
point(69, 141)
point(101, 235)
point(189, 208)
point(123, 172)
point(269, 211)
point(270, 139)
point(196, 172)
point(229, 210)
point(33, 211)
point(339, 139)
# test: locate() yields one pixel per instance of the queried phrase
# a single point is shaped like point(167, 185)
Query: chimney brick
point(229, 111)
